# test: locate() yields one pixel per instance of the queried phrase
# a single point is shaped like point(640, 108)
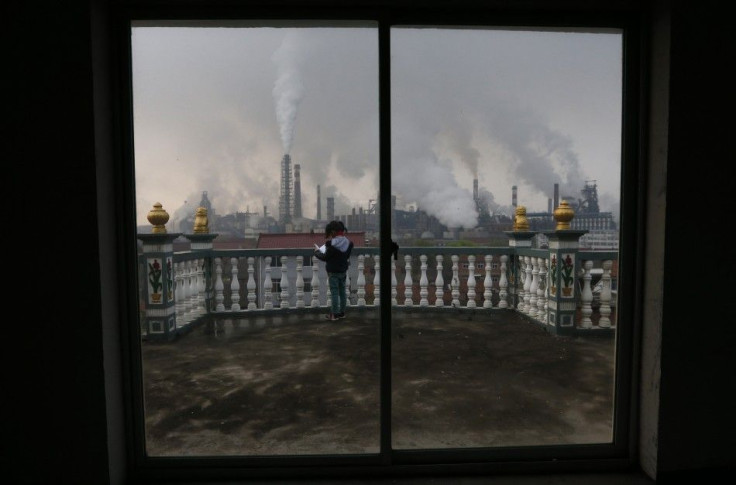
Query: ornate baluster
point(377, 281)
point(347, 290)
point(455, 284)
point(587, 296)
point(267, 286)
point(439, 283)
point(503, 284)
point(423, 282)
point(541, 291)
point(191, 290)
point(520, 280)
point(394, 282)
point(533, 287)
point(284, 303)
point(234, 286)
point(487, 283)
point(527, 282)
point(219, 286)
point(315, 283)
point(606, 295)
point(299, 282)
point(408, 284)
point(361, 280)
point(179, 293)
point(251, 285)
point(201, 289)
point(471, 281)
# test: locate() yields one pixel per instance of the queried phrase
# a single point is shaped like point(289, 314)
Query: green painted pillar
point(562, 271)
point(158, 266)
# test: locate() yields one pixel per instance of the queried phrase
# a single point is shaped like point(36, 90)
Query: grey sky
point(215, 109)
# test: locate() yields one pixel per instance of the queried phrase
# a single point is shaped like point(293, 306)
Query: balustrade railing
point(232, 283)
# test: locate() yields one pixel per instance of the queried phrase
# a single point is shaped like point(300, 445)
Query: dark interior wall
point(56, 427)
point(57, 417)
point(696, 419)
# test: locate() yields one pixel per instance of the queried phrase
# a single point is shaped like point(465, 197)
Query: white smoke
point(288, 90)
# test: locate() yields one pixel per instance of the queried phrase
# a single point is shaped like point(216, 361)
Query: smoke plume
point(288, 90)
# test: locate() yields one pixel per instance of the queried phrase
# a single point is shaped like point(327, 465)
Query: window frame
point(617, 456)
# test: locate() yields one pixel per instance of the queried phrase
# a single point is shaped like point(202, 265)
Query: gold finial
point(201, 224)
point(521, 223)
point(563, 215)
point(158, 217)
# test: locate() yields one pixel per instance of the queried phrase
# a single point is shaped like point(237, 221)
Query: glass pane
point(504, 329)
point(252, 138)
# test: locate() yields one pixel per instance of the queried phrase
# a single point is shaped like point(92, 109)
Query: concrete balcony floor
point(299, 384)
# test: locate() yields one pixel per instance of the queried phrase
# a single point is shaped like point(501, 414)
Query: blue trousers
point(337, 291)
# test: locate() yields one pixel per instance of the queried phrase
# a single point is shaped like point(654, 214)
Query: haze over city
point(215, 109)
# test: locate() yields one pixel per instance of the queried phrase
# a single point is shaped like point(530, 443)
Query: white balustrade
point(455, 284)
point(251, 285)
point(284, 300)
point(267, 286)
point(503, 284)
point(234, 285)
point(299, 282)
point(219, 286)
point(542, 291)
point(527, 283)
point(361, 280)
point(408, 285)
point(487, 283)
point(605, 295)
point(377, 280)
point(586, 297)
point(439, 283)
point(315, 283)
point(423, 282)
point(533, 287)
point(471, 281)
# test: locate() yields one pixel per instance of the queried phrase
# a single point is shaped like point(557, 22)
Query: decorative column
point(563, 266)
point(284, 300)
point(423, 282)
point(299, 282)
point(267, 285)
point(606, 295)
point(439, 283)
point(361, 280)
point(531, 308)
point(408, 284)
point(519, 238)
point(251, 285)
point(503, 284)
point(455, 284)
point(471, 281)
point(315, 283)
point(377, 280)
point(158, 258)
point(234, 285)
point(487, 282)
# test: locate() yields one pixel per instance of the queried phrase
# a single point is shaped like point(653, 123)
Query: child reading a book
point(336, 255)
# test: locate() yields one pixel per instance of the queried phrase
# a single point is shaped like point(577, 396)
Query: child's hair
point(336, 227)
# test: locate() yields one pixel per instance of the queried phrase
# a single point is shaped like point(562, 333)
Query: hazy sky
point(215, 109)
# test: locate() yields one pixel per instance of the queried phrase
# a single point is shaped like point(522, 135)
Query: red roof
point(302, 240)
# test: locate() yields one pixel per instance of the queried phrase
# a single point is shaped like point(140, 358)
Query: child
point(337, 259)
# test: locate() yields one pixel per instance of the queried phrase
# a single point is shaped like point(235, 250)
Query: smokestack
point(319, 204)
point(285, 200)
point(557, 196)
point(475, 190)
point(330, 208)
point(297, 191)
point(513, 196)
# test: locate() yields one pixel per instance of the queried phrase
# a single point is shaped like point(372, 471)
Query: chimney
point(297, 191)
point(319, 204)
point(475, 189)
point(557, 196)
point(513, 196)
point(330, 208)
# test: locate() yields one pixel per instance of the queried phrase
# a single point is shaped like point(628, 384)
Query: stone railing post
point(455, 284)
point(423, 282)
point(408, 284)
point(519, 237)
point(439, 283)
point(563, 249)
point(503, 284)
point(158, 299)
point(377, 280)
point(361, 280)
point(251, 285)
point(487, 283)
point(299, 282)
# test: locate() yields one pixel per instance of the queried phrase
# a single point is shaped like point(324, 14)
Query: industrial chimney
point(513, 196)
point(475, 190)
point(297, 191)
point(330, 208)
point(557, 196)
point(319, 204)
point(285, 200)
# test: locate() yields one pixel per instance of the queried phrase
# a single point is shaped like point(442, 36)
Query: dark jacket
point(336, 255)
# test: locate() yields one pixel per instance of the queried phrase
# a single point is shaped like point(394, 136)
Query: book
point(322, 249)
